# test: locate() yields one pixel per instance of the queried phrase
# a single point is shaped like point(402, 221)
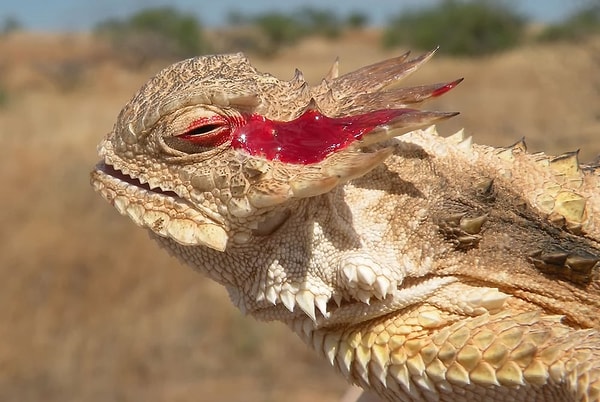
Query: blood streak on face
point(309, 138)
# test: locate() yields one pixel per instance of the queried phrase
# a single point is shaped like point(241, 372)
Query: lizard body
point(424, 268)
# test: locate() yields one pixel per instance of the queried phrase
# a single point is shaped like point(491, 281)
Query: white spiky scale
point(456, 138)
point(337, 297)
point(308, 328)
point(344, 358)
point(288, 299)
point(382, 286)
point(426, 384)
point(321, 303)
point(271, 295)
point(401, 376)
point(363, 295)
point(466, 144)
point(365, 275)
point(318, 338)
point(350, 274)
point(362, 360)
point(305, 299)
point(380, 356)
point(330, 347)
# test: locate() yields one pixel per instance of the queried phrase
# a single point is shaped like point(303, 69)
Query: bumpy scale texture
point(423, 268)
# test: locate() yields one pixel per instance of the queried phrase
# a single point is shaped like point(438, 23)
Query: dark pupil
point(201, 130)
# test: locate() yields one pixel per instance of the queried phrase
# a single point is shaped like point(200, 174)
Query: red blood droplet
point(445, 88)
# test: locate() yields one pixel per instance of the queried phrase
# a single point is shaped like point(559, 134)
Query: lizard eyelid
point(200, 131)
point(200, 136)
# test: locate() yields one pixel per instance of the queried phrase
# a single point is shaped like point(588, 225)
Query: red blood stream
point(309, 138)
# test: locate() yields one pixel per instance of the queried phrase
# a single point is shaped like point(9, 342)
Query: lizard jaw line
point(120, 175)
point(163, 212)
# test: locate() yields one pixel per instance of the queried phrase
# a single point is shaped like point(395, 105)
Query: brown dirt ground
point(90, 308)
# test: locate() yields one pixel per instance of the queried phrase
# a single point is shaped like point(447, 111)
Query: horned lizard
point(422, 267)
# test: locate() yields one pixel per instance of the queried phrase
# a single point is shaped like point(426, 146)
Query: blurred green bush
point(10, 25)
point(155, 33)
point(578, 26)
point(461, 28)
point(266, 33)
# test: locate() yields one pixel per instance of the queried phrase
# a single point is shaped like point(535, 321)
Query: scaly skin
point(421, 267)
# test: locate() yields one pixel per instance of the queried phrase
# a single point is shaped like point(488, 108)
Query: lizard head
point(211, 152)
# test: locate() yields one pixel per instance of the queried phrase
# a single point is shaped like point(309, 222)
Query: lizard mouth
point(163, 211)
point(119, 175)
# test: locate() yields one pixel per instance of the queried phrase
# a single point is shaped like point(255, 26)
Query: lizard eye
point(201, 135)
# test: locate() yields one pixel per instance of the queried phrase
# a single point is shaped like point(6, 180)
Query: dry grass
point(92, 310)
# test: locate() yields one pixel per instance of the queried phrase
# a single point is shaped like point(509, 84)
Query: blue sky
point(77, 15)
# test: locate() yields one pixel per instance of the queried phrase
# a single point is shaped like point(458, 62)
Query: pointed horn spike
point(412, 65)
point(304, 188)
point(379, 68)
point(245, 101)
point(473, 225)
point(349, 166)
point(334, 70)
point(404, 123)
point(485, 185)
point(519, 146)
point(457, 137)
point(566, 164)
point(398, 97)
point(298, 77)
point(571, 205)
point(466, 144)
point(268, 193)
point(312, 105)
point(593, 166)
point(557, 258)
point(338, 168)
point(454, 219)
point(431, 130)
point(485, 188)
point(376, 76)
point(582, 263)
point(508, 153)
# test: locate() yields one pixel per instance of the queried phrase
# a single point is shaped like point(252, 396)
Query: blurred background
point(90, 308)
